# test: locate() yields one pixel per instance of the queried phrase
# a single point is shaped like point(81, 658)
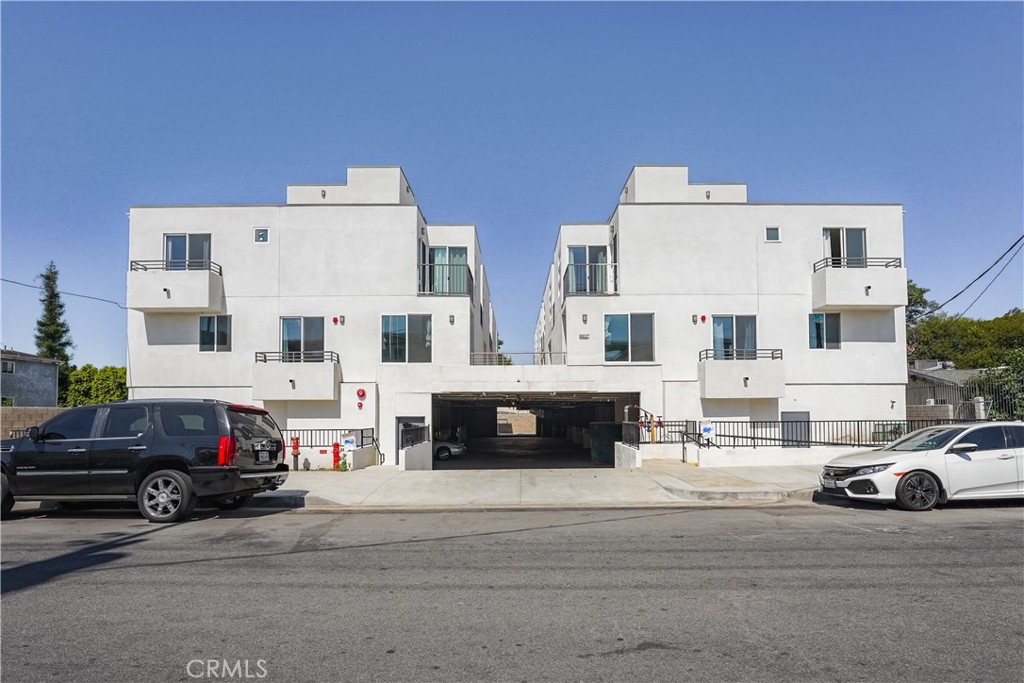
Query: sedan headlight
point(871, 470)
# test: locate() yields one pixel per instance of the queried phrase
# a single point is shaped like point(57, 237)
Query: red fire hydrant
point(337, 454)
point(295, 453)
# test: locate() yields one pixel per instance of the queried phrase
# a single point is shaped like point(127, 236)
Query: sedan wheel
point(443, 453)
point(166, 496)
point(917, 491)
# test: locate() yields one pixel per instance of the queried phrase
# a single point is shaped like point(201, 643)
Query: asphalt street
point(810, 592)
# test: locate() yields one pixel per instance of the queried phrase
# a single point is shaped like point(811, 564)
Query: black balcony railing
point(740, 354)
point(297, 357)
point(445, 279)
point(413, 434)
point(858, 262)
point(581, 279)
point(177, 264)
point(500, 358)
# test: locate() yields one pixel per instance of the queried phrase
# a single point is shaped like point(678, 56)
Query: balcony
point(864, 284)
point(589, 279)
point(445, 280)
point(175, 286)
point(741, 373)
point(296, 376)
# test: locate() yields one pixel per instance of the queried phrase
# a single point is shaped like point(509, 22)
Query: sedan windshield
point(925, 439)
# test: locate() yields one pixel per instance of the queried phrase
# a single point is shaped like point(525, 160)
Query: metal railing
point(411, 435)
point(631, 434)
point(177, 264)
point(445, 279)
point(787, 434)
point(740, 354)
point(325, 438)
point(858, 262)
point(499, 358)
point(297, 357)
point(590, 278)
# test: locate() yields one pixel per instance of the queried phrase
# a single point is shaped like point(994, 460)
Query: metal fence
point(858, 262)
point(787, 434)
point(499, 358)
point(411, 435)
point(739, 354)
point(297, 357)
point(961, 396)
point(325, 438)
point(176, 264)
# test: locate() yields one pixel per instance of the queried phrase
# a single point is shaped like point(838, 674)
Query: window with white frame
point(302, 339)
point(406, 338)
point(215, 333)
point(823, 331)
point(8, 367)
point(629, 337)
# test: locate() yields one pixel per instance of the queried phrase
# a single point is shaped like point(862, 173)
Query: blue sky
point(515, 117)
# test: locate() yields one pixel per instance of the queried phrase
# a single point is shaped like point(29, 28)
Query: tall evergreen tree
point(53, 336)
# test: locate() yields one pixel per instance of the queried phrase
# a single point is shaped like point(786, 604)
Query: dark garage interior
point(556, 442)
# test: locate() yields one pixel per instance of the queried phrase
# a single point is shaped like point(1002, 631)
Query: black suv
point(166, 454)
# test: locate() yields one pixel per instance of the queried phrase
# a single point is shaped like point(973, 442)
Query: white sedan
point(934, 465)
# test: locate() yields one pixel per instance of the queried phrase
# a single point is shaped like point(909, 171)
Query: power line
point(84, 296)
point(984, 272)
point(1008, 262)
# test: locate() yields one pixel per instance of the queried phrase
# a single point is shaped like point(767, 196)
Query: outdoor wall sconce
point(451, 320)
point(584, 318)
point(339, 320)
point(167, 292)
point(694, 318)
point(707, 195)
point(292, 383)
point(867, 291)
point(323, 194)
point(746, 382)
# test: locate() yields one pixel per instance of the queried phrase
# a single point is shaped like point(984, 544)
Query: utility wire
point(84, 296)
point(1008, 262)
point(994, 264)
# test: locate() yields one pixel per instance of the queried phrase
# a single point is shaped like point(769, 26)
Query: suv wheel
point(166, 496)
point(232, 502)
point(8, 498)
point(443, 453)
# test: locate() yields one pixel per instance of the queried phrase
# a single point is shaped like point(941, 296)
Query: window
point(302, 340)
point(735, 337)
point(8, 367)
point(406, 338)
point(187, 252)
point(191, 420)
point(126, 421)
point(215, 333)
point(449, 270)
point(629, 338)
point(772, 234)
point(261, 235)
point(823, 330)
point(987, 438)
point(588, 270)
point(74, 424)
point(846, 247)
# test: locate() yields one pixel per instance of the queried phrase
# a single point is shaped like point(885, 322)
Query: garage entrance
point(567, 430)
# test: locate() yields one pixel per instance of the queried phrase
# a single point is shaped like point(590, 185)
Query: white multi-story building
point(767, 311)
point(344, 309)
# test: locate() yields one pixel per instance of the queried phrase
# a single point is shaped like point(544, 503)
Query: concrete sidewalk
point(660, 483)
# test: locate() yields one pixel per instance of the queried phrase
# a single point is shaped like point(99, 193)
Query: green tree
point(53, 336)
point(88, 384)
point(1008, 384)
point(918, 305)
point(968, 342)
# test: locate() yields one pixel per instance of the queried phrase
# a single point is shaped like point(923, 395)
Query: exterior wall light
point(584, 318)
point(167, 292)
point(694, 318)
point(451, 320)
point(323, 194)
point(707, 195)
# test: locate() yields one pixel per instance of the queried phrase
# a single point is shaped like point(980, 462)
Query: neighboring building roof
point(946, 376)
point(11, 354)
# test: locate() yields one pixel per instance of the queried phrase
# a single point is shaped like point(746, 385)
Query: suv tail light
point(226, 451)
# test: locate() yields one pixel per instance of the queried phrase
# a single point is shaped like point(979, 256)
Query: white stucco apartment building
point(343, 308)
point(766, 311)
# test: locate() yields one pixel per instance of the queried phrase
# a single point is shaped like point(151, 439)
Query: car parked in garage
point(166, 455)
point(934, 465)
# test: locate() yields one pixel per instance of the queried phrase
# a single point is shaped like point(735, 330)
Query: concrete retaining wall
point(627, 457)
point(936, 412)
point(662, 451)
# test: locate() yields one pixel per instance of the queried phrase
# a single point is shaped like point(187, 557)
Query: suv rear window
point(197, 420)
point(253, 425)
